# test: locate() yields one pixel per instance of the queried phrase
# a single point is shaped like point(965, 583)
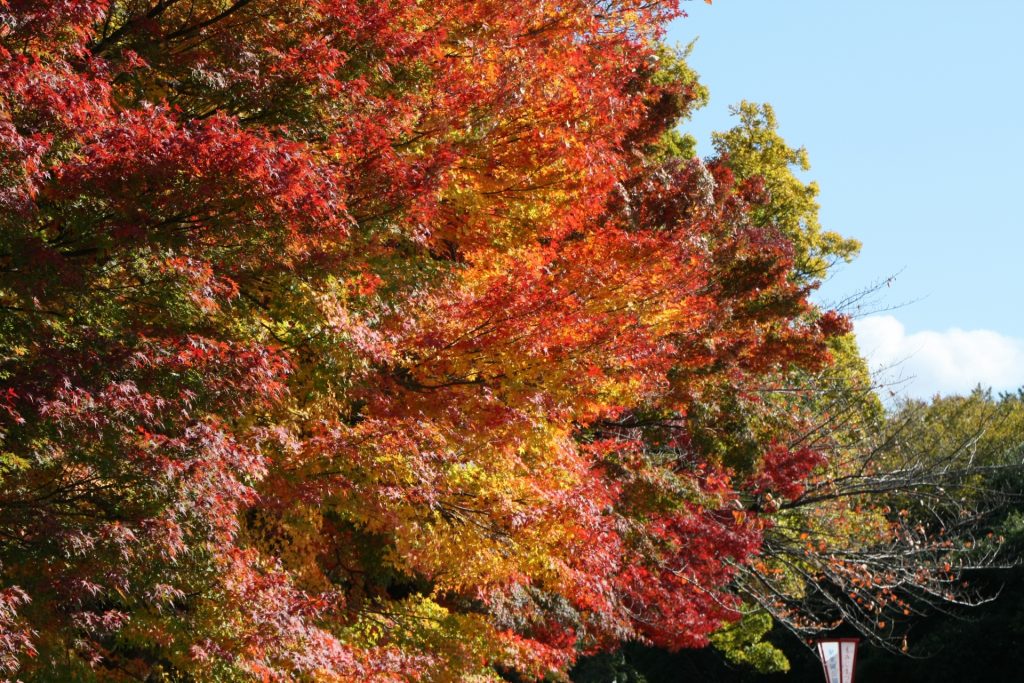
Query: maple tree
point(945, 474)
point(352, 341)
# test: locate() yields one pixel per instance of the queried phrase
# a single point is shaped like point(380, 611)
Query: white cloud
point(949, 362)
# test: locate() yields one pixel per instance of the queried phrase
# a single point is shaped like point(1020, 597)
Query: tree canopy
point(401, 340)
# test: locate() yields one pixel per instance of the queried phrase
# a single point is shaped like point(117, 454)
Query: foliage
point(351, 341)
point(964, 454)
point(754, 149)
point(743, 642)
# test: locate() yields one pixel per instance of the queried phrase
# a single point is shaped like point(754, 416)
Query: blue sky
point(913, 115)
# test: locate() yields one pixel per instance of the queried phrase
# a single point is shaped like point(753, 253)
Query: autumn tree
point(348, 341)
point(947, 482)
point(754, 149)
point(840, 546)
